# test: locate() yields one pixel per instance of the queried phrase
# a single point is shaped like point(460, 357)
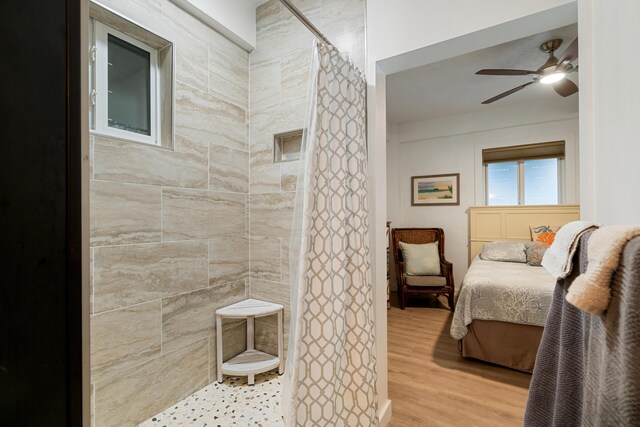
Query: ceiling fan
point(553, 72)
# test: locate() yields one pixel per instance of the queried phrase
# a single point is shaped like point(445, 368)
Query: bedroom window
point(524, 175)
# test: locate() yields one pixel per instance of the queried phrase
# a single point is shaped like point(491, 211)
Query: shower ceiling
point(451, 86)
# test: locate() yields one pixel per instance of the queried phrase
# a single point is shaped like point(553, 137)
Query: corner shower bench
point(251, 361)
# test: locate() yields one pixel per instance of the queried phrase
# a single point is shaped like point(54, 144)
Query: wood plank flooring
point(430, 384)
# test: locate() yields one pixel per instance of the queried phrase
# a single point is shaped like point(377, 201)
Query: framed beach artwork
point(435, 190)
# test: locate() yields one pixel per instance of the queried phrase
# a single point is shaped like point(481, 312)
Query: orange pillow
point(546, 237)
point(543, 233)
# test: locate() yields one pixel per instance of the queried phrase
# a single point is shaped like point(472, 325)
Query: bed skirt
point(508, 344)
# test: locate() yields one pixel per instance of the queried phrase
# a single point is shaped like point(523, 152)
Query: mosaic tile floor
point(232, 403)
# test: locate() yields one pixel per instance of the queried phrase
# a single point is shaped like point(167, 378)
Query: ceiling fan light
point(552, 78)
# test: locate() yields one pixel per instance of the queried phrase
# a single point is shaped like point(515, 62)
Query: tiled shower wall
point(279, 82)
point(169, 230)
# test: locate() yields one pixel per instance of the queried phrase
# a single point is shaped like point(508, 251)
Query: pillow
point(504, 251)
point(535, 252)
point(421, 260)
point(543, 233)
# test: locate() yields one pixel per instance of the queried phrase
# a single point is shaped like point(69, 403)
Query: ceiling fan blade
point(565, 87)
point(571, 53)
point(504, 72)
point(507, 93)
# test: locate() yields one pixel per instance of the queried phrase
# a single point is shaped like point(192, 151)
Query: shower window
point(125, 86)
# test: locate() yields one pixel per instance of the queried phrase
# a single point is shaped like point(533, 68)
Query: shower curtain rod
point(296, 12)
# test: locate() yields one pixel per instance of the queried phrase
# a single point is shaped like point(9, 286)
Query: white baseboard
point(384, 414)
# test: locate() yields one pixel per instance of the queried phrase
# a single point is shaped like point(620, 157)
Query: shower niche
point(286, 146)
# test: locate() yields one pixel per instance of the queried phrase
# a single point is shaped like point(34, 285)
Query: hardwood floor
point(430, 384)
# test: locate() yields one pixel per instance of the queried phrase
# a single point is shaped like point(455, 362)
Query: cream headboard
point(489, 223)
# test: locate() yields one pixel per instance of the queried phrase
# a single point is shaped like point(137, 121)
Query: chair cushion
point(420, 260)
point(432, 281)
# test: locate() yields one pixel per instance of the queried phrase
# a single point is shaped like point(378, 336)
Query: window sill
point(93, 132)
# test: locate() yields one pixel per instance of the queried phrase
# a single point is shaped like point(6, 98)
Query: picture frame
point(435, 190)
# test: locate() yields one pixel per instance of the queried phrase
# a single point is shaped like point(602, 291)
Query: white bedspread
point(503, 291)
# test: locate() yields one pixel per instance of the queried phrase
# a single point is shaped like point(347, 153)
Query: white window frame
point(99, 77)
point(521, 182)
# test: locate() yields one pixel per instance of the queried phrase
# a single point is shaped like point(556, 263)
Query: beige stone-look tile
point(271, 214)
point(234, 342)
point(192, 62)
point(339, 17)
point(117, 160)
point(190, 317)
point(265, 258)
point(141, 391)
point(207, 118)
point(267, 327)
point(229, 77)
point(282, 34)
point(91, 305)
point(131, 10)
point(92, 404)
point(247, 215)
point(124, 337)
point(274, 119)
point(266, 335)
point(285, 245)
point(296, 70)
point(265, 84)
point(267, 14)
point(306, 6)
point(228, 169)
point(265, 176)
point(91, 156)
point(124, 213)
point(261, 155)
point(126, 275)
point(228, 260)
point(289, 175)
point(353, 43)
point(197, 214)
point(276, 292)
point(181, 22)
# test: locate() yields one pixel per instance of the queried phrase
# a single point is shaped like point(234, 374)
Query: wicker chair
point(421, 285)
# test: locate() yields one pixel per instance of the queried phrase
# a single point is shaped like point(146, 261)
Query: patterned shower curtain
point(330, 378)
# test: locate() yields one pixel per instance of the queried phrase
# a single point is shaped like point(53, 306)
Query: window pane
point(502, 183)
point(129, 87)
point(541, 182)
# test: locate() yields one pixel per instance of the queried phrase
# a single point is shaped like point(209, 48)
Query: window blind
point(544, 150)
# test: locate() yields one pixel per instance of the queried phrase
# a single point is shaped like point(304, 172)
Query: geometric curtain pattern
point(332, 365)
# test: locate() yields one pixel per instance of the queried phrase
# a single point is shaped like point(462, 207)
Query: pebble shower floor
point(232, 403)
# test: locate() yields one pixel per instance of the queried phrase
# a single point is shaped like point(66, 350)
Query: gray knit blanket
point(587, 371)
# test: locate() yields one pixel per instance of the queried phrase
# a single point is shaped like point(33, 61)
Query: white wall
point(426, 24)
point(235, 19)
point(452, 151)
point(397, 28)
point(610, 113)
point(376, 132)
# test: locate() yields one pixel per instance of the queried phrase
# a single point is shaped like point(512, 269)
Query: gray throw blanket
point(587, 371)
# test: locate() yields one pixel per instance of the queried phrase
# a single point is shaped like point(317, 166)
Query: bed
point(501, 310)
point(502, 306)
